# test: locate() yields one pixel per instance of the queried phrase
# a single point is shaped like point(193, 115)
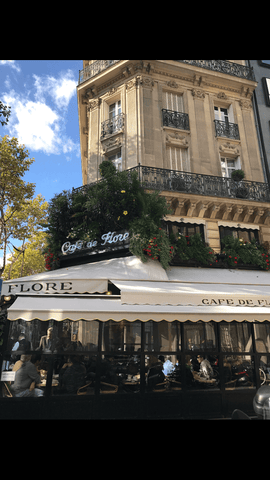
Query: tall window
point(178, 159)
point(228, 165)
point(174, 102)
point(115, 109)
point(221, 114)
point(116, 159)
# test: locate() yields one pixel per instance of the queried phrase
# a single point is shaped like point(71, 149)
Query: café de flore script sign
point(107, 240)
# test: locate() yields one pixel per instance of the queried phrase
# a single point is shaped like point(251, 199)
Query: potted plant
point(238, 175)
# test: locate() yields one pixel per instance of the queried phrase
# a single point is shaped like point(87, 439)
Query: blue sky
point(44, 117)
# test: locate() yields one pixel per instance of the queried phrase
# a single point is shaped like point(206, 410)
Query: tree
point(4, 112)
point(28, 261)
point(14, 192)
point(25, 226)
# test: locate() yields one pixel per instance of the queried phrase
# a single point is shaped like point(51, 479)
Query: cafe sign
point(109, 239)
point(243, 302)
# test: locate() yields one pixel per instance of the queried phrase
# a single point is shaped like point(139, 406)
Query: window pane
point(121, 336)
point(120, 374)
point(238, 372)
point(163, 373)
point(262, 337)
point(236, 337)
point(202, 371)
point(25, 377)
point(264, 370)
point(162, 336)
point(200, 336)
point(74, 375)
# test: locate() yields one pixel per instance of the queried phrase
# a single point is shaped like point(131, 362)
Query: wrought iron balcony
point(226, 129)
point(198, 184)
point(95, 68)
point(223, 66)
point(112, 125)
point(195, 183)
point(175, 119)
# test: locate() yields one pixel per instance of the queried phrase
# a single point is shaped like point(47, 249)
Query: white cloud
point(11, 63)
point(36, 125)
point(39, 124)
point(61, 90)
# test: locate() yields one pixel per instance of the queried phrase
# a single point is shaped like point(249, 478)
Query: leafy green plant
point(238, 175)
point(194, 248)
point(117, 202)
point(239, 252)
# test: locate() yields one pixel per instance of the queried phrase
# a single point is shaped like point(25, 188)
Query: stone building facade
point(188, 124)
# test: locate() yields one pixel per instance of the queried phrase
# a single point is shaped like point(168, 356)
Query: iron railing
point(223, 66)
point(95, 68)
point(175, 119)
point(227, 129)
point(195, 183)
point(113, 125)
point(198, 184)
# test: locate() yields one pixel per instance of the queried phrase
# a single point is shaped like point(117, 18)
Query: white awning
point(87, 278)
point(72, 307)
point(181, 293)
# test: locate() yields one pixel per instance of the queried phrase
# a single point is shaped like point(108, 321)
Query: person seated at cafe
point(26, 374)
point(206, 370)
point(72, 375)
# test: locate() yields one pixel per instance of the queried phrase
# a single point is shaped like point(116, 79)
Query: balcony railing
point(95, 68)
point(198, 184)
point(112, 125)
point(175, 119)
point(226, 129)
point(222, 66)
point(195, 183)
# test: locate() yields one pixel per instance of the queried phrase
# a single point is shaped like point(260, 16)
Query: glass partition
point(99, 358)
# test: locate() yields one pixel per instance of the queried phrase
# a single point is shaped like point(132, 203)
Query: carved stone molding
point(177, 139)
point(229, 149)
point(222, 96)
point(245, 104)
point(92, 105)
point(197, 93)
point(131, 84)
point(172, 84)
point(145, 81)
point(112, 144)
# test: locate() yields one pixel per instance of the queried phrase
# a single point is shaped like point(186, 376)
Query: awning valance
point(72, 307)
point(185, 293)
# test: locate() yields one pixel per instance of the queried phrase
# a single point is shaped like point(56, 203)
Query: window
point(266, 88)
point(173, 102)
point(92, 358)
point(116, 159)
point(221, 114)
point(244, 234)
point(185, 229)
point(115, 109)
point(178, 159)
point(228, 165)
point(264, 63)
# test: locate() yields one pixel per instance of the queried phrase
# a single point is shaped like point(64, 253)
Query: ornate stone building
point(186, 125)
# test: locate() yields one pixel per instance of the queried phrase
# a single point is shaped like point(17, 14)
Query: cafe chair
point(239, 415)
point(113, 387)
point(6, 390)
point(80, 390)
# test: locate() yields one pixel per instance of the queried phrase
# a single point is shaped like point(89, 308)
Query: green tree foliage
point(25, 226)
point(115, 203)
point(14, 192)
point(5, 113)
